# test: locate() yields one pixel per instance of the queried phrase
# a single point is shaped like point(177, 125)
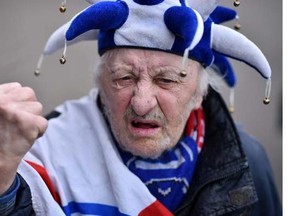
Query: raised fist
point(21, 123)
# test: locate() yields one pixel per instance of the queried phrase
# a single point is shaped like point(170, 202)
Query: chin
point(148, 148)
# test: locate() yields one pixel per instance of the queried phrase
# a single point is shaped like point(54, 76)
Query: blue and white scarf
point(169, 176)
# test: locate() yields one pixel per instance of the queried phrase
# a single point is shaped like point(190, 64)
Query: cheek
point(174, 105)
point(117, 101)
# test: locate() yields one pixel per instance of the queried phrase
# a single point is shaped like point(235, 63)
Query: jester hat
point(182, 27)
point(221, 63)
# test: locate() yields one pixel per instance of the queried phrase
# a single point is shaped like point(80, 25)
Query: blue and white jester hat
point(183, 27)
point(152, 24)
point(221, 64)
point(149, 24)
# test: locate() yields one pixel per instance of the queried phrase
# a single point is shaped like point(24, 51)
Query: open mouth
point(144, 128)
point(144, 124)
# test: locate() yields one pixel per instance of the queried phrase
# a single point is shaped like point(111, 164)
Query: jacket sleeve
point(23, 205)
point(8, 199)
point(18, 200)
point(268, 197)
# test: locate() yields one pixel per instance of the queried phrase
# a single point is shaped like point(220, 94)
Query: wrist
point(8, 174)
point(8, 199)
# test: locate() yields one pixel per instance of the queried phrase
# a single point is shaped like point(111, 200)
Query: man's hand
point(21, 123)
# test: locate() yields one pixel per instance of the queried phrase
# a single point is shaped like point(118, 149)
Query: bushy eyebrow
point(153, 71)
point(119, 67)
point(167, 70)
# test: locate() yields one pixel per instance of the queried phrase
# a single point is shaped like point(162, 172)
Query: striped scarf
point(169, 176)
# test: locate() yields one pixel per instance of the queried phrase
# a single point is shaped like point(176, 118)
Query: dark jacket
point(232, 176)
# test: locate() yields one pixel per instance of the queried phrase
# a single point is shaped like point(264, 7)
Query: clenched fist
point(21, 123)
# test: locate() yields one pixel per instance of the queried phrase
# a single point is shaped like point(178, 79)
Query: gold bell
point(37, 72)
point(266, 101)
point(231, 109)
point(237, 26)
point(183, 73)
point(236, 3)
point(62, 60)
point(62, 9)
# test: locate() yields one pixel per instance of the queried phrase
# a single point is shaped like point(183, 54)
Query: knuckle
point(29, 92)
point(42, 126)
point(33, 129)
point(15, 84)
point(38, 106)
point(39, 128)
point(10, 85)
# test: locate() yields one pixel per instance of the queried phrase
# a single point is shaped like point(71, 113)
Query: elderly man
point(152, 139)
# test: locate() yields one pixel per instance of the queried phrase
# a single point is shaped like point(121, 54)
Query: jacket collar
point(222, 151)
point(222, 155)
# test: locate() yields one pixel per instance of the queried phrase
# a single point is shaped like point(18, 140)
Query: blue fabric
point(222, 14)
point(103, 15)
point(221, 63)
point(202, 52)
point(186, 31)
point(8, 199)
point(109, 16)
point(168, 177)
point(224, 69)
point(91, 209)
point(148, 2)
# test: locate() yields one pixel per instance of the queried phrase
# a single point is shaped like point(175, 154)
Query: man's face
point(146, 100)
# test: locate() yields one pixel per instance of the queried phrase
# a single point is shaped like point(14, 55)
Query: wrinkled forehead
point(153, 58)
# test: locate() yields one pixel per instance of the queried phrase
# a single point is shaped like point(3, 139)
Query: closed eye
point(165, 81)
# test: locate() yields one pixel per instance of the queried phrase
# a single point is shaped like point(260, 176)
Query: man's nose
point(144, 98)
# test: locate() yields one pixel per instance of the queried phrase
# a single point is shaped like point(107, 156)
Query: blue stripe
point(91, 209)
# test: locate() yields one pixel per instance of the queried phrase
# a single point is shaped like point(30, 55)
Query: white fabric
point(232, 43)
point(85, 167)
point(43, 202)
point(143, 25)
